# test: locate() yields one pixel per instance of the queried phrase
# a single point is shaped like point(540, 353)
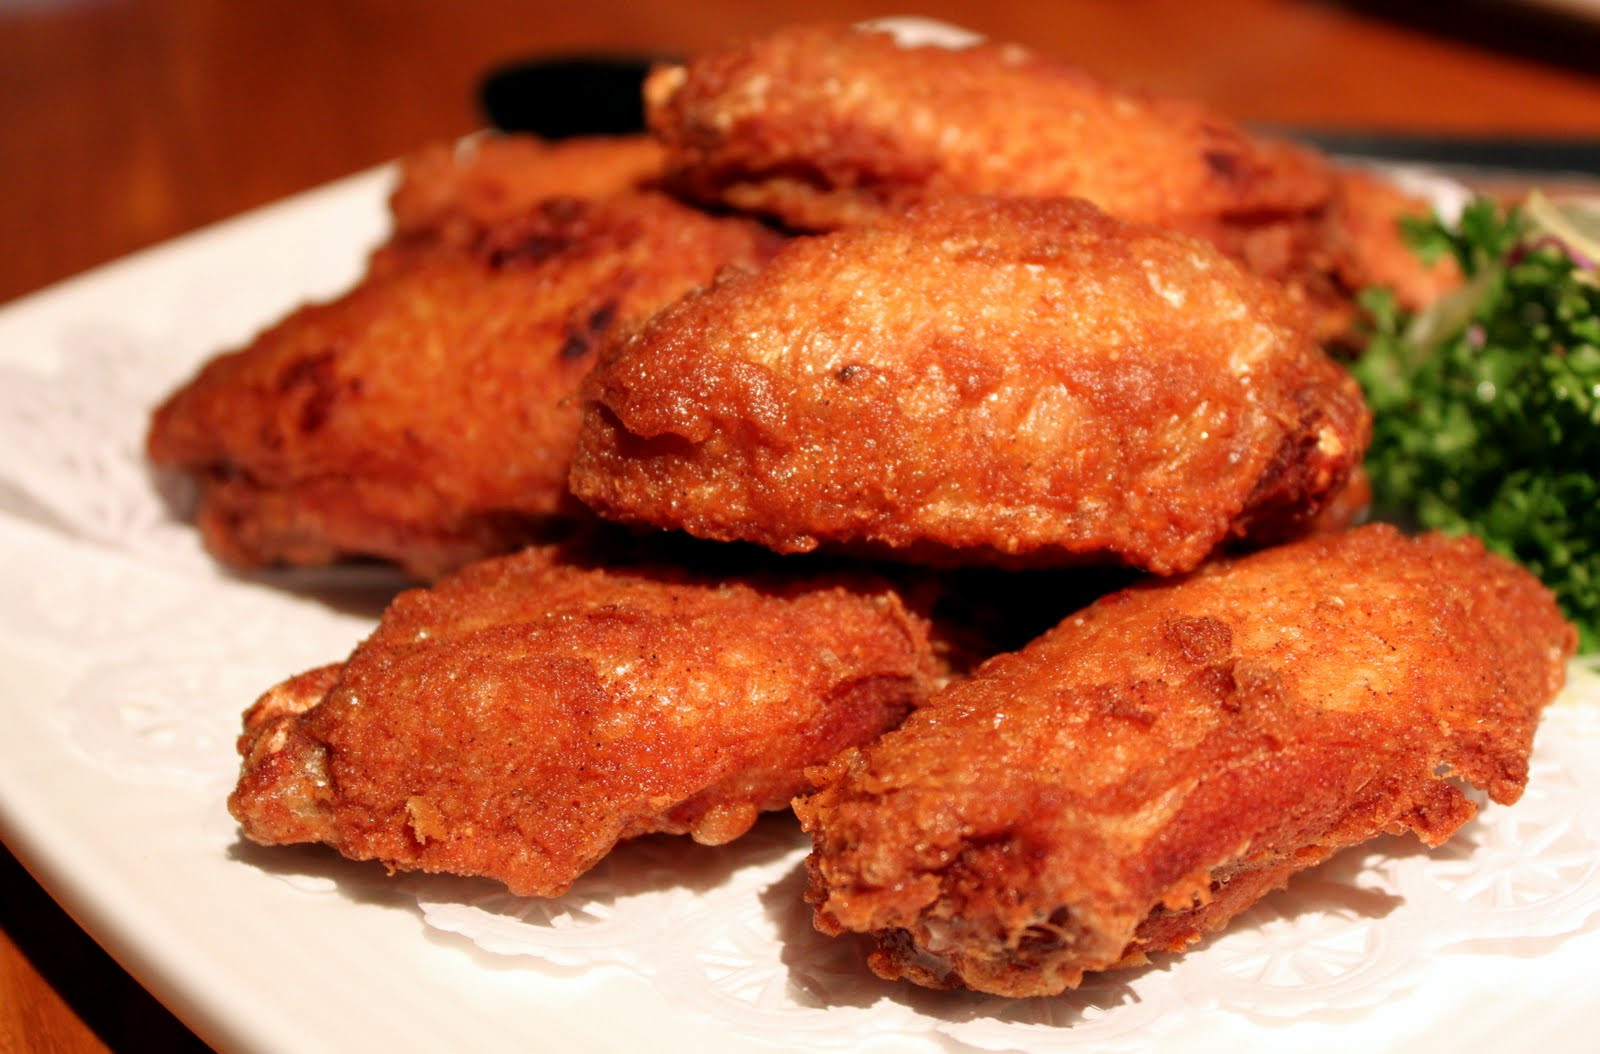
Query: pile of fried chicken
point(938, 441)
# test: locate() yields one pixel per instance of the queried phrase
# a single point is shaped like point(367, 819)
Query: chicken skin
point(427, 417)
point(831, 126)
point(1136, 777)
point(519, 718)
point(452, 191)
point(1026, 382)
point(1367, 247)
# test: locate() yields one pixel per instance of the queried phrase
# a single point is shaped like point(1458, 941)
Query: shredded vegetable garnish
point(1487, 406)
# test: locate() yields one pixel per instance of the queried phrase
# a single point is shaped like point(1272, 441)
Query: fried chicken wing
point(519, 718)
point(830, 126)
point(428, 415)
point(1367, 248)
point(1148, 769)
point(1021, 381)
point(452, 191)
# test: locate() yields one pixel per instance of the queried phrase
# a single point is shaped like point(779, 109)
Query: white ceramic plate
point(126, 658)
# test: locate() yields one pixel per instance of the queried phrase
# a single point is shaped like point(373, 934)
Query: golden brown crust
point(832, 126)
point(827, 126)
point(1349, 507)
point(453, 191)
point(1139, 775)
point(1368, 247)
point(519, 718)
point(1024, 381)
point(428, 416)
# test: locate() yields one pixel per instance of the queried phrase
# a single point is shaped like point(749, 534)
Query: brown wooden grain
point(35, 1017)
point(125, 122)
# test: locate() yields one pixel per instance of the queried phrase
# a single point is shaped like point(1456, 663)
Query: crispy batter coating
point(1367, 246)
point(1347, 508)
point(428, 415)
point(829, 126)
point(518, 719)
point(1023, 381)
point(1139, 775)
point(452, 191)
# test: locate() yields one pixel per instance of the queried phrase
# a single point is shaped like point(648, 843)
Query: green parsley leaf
point(1486, 406)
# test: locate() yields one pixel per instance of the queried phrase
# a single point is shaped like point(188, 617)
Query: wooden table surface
point(125, 122)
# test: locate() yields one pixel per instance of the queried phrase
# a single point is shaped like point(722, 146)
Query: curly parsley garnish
point(1486, 406)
